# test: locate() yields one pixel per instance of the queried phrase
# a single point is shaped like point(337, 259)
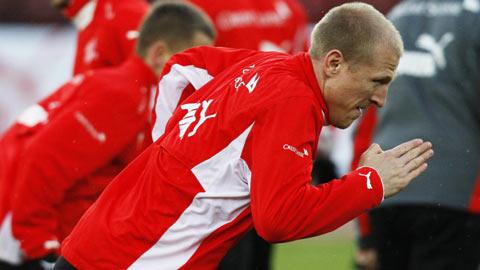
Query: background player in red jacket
point(107, 30)
point(61, 153)
point(238, 153)
point(264, 25)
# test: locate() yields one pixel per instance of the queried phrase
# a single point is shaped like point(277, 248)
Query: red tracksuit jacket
point(107, 31)
point(61, 153)
point(265, 25)
point(236, 154)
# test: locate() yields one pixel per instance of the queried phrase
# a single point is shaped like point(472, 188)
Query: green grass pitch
point(333, 251)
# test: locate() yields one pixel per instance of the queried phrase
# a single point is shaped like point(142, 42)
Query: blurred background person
point(435, 222)
point(107, 30)
point(61, 153)
point(264, 25)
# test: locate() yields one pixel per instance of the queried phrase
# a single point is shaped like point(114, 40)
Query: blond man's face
point(357, 86)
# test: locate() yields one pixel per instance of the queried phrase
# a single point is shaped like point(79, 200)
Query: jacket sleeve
point(86, 135)
point(285, 206)
point(186, 73)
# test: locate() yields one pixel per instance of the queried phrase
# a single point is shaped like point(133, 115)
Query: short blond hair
point(355, 29)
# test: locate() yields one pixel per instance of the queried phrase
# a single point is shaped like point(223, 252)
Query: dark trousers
point(251, 253)
point(7, 266)
point(424, 238)
point(63, 264)
point(32, 265)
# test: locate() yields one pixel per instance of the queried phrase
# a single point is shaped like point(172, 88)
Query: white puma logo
point(430, 61)
point(367, 176)
point(436, 49)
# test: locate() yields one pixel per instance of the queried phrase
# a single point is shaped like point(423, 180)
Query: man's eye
point(382, 81)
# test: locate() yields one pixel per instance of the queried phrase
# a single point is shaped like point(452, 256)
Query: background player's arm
point(81, 139)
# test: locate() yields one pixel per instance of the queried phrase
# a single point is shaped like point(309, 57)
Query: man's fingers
point(419, 161)
point(416, 172)
point(374, 148)
point(403, 148)
point(415, 152)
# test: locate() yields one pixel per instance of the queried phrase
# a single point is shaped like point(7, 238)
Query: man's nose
point(379, 97)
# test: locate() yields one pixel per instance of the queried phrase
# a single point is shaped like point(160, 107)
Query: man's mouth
point(362, 109)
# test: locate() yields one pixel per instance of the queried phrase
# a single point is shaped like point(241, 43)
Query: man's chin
point(342, 125)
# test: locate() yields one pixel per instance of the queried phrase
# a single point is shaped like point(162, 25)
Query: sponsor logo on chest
point(297, 152)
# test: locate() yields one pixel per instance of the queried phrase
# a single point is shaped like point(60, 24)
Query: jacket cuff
point(372, 182)
point(40, 249)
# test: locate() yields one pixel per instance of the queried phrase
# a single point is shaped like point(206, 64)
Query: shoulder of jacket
point(109, 82)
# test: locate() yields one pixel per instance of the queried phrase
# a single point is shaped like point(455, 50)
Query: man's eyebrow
point(383, 79)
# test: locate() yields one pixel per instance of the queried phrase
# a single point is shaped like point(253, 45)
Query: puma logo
point(436, 49)
point(430, 61)
point(367, 176)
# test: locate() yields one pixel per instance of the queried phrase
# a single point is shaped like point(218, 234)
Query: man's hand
point(398, 166)
point(366, 259)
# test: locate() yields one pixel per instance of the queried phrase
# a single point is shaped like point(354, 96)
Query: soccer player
point(61, 153)
point(107, 30)
point(238, 152)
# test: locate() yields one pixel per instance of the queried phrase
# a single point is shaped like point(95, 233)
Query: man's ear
point(333, 63)
point(157, 54)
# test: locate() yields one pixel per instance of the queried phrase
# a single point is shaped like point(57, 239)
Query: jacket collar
point(311, 79)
